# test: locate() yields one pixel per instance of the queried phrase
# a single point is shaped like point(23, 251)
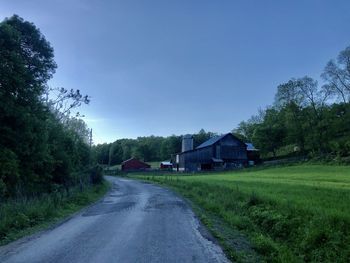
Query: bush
point(2, 189)
point(8, 171)
point(96, 174)
point(341, 146)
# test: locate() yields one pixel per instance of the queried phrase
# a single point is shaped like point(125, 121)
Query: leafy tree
point(8, 173)
point(170, 146)
point(26, 65)
point(290, 101)
point(101, 153)
point(115, 153)
point(245, 130)
point(201, 137)
point(38, 149)
point(270, 134)
point(337, 76)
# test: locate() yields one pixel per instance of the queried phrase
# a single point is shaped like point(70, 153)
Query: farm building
point(220, 152)
point(166, 165)
point(134, 164)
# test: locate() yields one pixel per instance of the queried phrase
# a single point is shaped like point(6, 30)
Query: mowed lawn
point(289, 214)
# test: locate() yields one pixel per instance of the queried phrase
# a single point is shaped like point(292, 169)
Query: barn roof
point(250, 147)
point(211, 141)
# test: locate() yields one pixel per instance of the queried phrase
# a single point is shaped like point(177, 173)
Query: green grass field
point(288, 214)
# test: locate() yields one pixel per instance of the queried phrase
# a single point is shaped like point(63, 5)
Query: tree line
point(151, 148)
point(306, 118)
point(42, 146)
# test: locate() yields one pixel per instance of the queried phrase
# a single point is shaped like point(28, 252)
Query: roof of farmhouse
point(211, 141)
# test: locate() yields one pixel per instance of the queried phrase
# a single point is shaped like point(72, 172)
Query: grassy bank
point(289, 214)
point(24, 217)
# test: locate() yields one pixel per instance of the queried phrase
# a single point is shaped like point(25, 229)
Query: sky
point(175, 66)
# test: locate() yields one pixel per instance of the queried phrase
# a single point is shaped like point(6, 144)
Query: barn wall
point(235, 152)
point(192, 160)
point(230, 148)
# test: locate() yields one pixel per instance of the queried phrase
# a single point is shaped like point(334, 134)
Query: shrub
point(8, 171)
point(96, 174)
point(2, 189)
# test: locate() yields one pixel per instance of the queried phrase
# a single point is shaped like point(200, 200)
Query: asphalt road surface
point(135, 222)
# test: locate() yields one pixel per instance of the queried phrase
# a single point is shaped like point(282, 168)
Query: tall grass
point(25, 216)
point(290, 214)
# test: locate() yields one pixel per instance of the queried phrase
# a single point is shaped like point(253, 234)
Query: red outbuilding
point(134, 164)
point(166, 165)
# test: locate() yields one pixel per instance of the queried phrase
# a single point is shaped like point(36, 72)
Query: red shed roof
point(134, 164)
point(134, 159)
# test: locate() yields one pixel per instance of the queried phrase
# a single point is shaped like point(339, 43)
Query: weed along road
point(135, 222)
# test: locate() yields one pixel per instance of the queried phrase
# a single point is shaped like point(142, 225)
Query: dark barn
point(134, 164)
point(220, 152)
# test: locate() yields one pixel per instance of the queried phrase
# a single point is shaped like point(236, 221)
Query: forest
point(43, 146)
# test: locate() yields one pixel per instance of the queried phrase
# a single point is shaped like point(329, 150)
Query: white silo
point(187, 142)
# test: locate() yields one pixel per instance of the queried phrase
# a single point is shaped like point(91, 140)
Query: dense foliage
point(306, 119)
point(40, 149)
point(151, 148)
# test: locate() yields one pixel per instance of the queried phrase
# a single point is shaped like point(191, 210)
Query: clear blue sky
point(173, 67)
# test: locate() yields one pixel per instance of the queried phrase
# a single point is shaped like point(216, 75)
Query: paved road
point(135, 222)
